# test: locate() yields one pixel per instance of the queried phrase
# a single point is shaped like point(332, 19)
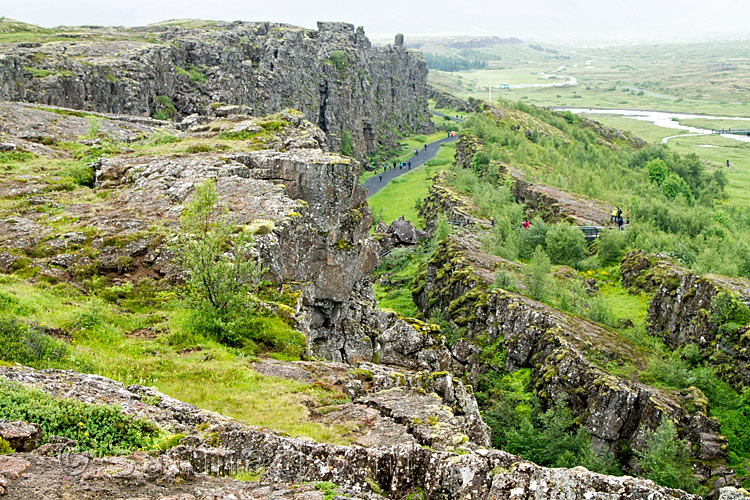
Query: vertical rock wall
point(355, 93)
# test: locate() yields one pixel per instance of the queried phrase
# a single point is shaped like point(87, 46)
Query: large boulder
point(21, 436)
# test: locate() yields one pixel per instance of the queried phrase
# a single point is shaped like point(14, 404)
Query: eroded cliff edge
point(355, 93)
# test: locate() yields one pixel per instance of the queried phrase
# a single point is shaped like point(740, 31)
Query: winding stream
point(664, 119)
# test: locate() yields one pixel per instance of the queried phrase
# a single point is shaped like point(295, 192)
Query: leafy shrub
point(340, 60)
point(345, 148)
point(665, 457)
point(601, 312)
point(538, 280)
point(505, 280)
point(28, 345)
point(657, 171)
point(531, 238)
point(441, 230)
point(729, 314)
point(165, 109)
point(102, 430)
point(565, 245)
point(220, 274)
point(82, 174)
point(551, 438)
point(5, 447)
point(611, 246)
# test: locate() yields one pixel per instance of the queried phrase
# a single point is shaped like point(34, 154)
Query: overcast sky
point(552, 20)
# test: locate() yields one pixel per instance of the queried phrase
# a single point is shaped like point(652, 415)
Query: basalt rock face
point(559, 350)
point(458, 209)
point(686, 308)
point(189, 470)
point(449, 101)
point(332, 74)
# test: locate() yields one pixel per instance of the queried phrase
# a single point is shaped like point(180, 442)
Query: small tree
point(214, 255)
point(665, 459)
point(345, 148)
point(538, 281)
point(565, 245)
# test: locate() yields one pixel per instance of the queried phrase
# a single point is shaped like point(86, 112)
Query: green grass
point(404, 151)
point(643, 129)
point(182, 365)
point(715, 124)
point(723, 149)
point(104, 430)
point(401, 195)
point(676, 73)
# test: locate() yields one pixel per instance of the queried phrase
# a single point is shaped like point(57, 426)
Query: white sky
point(553, 20)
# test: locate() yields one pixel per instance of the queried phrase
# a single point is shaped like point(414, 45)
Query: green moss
point(342, 244)
point(260, 227)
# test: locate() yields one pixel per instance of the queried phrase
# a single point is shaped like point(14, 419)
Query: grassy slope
point(145, 343)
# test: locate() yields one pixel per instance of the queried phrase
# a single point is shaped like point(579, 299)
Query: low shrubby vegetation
point(101, 430)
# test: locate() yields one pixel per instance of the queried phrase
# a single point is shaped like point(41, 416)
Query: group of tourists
point(401, 165)
point(617, 219)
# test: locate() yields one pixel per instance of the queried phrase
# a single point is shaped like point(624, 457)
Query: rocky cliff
point(357, 94)
point(217, 446)
point(561, 351)
point(707, 311)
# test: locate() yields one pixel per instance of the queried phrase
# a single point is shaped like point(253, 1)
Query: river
point(664, 119)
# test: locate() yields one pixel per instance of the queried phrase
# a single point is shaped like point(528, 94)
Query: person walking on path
point(409, 165)
point(627, 216)
point(613, 216)
point(619, 222)
point(380, 177)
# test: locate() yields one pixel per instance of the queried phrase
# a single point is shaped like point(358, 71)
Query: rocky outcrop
point(355, 93)
point(466, 148)
point(444, 100)
point(547, 202)
point(398, 234)
point(457, 208)
point(688, 308)
point(358, 472)
point(21, 436)
point(559, 349)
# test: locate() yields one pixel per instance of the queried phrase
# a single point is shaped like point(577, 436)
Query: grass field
point(716, 124)
point(707, 78)
point(643, 129)
point(715, 150)
point(147, 345)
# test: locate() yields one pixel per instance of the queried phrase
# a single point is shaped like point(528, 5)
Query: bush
point(505, 280)
point(82, 174)
point(538, 280)
point(345, 148)
point(565, 245)
point(551, 439)
point(220, 271)
point(441, 230)
point(664, 458)
point(102, 430)
point(28, 345)
point(601, 312)
point(532, 238)
point(611, 245)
